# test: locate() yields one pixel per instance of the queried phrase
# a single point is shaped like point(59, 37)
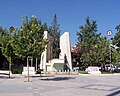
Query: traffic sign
point(109, 32)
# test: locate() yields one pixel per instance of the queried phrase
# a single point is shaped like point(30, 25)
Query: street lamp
point(109, 33)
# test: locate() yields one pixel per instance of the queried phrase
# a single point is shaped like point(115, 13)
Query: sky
point(71, 14)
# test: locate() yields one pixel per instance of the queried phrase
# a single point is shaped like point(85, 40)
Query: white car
point(93, 70)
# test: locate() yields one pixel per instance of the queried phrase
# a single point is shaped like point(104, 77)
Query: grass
point(83, 72)
point(106, 72)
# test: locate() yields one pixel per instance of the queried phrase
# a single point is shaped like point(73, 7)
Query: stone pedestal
point(31, 71)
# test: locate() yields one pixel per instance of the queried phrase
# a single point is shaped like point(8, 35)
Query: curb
point(115, 74)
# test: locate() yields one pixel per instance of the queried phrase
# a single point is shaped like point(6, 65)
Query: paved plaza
point(61, 85)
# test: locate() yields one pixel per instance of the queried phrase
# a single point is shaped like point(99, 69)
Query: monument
point(57, 64)
point(65, 49)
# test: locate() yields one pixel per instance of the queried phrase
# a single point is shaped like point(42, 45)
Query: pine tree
point(87, 35)
point(45, 27)
point(116, 42)
point(55, 38)
point(87, 39)
point(116, 39)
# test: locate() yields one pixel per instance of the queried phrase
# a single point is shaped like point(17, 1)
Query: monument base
point(31, 71)
point(55, 65)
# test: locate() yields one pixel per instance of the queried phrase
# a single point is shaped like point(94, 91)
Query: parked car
point(109, 67)
point(117, 68)
point(93, 70)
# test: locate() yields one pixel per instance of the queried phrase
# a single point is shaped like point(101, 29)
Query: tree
point(95, 49)
point(116, 42)
point(116, 38)
point(55, 38)
point(6, 43)
point(29, 41)
point(45, 27)
point(87, 35)
point(87, 39)
point(98, 55)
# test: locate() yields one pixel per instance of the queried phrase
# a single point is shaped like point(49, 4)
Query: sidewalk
point(60, 85)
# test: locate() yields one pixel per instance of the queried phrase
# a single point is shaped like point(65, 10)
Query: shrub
point(83, 72)
point(39, 71)
point(16, 71)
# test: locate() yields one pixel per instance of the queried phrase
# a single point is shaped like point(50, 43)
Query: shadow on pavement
point(116, 93)
point(58, 78)
point(40, 76)
point(6, 77)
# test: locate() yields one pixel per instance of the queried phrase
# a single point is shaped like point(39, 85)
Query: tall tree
point(87, 40)
point(116, 43)
point(116, 39)
point(28, 41)
point(45, 27)
point(87, 34)
point(55, 38)
point(6, 42)
point(99, 55)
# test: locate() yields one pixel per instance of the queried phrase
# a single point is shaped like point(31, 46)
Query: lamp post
point(109, 33)
point(28, 68)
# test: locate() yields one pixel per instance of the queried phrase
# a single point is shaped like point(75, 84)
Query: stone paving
point(61, 85)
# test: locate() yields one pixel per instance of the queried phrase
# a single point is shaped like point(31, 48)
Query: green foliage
point(116, 39)
point(105, 72)
point(16, 71)
point(99, 54)
point(6, 42)
point(39, 71)
point(29, 41)
point(87, 40)
point(45, 27)
point(96, 48)
point(55, 38)
point(25, 42)
point(116, 42)
point(87, 35)
point(83, 72)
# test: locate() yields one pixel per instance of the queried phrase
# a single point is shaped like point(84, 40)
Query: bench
point(5, 72)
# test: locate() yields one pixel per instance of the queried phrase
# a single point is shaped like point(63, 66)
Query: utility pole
point(109, 32)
